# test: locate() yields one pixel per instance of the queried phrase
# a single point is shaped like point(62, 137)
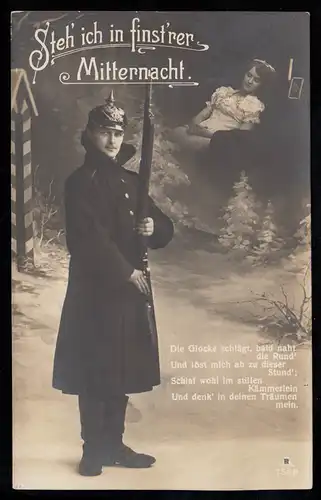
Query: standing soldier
point(105, 347)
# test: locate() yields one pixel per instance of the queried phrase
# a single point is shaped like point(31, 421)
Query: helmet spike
point(109, 115)
point(111, 98)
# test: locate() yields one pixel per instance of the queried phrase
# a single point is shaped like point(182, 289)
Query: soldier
point(105, 349)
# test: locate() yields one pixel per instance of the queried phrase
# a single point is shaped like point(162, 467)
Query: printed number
point(287, 471)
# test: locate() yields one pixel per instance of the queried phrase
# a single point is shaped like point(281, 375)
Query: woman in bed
point(229, 109)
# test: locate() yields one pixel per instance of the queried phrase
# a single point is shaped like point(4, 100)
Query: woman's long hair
point(268, 77)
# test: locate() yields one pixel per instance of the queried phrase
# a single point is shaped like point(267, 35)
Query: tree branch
point(305, 301)
point(52, 20)
point(23, 18)
point(285, 296)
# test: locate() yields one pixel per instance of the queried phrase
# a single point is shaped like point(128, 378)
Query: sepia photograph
point(161, 250)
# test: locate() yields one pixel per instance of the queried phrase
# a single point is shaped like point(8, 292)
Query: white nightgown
point(229, 110)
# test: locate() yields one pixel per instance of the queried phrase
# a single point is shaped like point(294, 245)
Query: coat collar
point(95, 160)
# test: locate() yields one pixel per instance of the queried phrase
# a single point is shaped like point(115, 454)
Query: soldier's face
point(107, 140)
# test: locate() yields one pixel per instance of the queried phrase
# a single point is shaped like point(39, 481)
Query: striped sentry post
point(21, 178)
point(13, 183)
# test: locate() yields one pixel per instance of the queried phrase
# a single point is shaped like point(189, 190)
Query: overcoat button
point(122, 180)
point(131, 212)
point(126, 195)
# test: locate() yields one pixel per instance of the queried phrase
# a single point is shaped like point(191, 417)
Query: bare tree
point(44, 211)
point(284, 318)
point(281, 317)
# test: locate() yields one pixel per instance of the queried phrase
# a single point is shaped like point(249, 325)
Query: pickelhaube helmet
point(108, 115)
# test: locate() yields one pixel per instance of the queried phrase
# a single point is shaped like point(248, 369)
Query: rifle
point(143, 202)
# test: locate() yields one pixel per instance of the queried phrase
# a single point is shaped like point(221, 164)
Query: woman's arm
point(201, 116)
point(200, 131)
point(195, 127)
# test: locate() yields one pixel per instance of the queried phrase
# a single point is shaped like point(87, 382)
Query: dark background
point(234, 39)
point(316, 183)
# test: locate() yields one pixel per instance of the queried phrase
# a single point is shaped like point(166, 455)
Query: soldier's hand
point(139, 280)
point(146, 227)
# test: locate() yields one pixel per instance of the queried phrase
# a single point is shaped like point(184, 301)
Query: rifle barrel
point(146, 158)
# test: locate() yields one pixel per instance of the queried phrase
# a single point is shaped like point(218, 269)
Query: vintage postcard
point(161, 270)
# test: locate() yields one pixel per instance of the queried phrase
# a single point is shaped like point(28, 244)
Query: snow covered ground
point(205, 444)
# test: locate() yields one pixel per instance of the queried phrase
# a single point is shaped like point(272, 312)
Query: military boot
point(91, 418)
point(126, 457)
point(115, 451)
point(91, 461)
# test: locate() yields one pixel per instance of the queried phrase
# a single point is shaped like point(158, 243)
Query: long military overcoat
point(104, 342)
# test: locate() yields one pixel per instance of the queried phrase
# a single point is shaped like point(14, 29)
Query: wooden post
point(21, 191)
point(14, 248)
point(22, 107)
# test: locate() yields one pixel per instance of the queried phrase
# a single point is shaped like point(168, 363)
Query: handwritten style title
point(138, 40)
